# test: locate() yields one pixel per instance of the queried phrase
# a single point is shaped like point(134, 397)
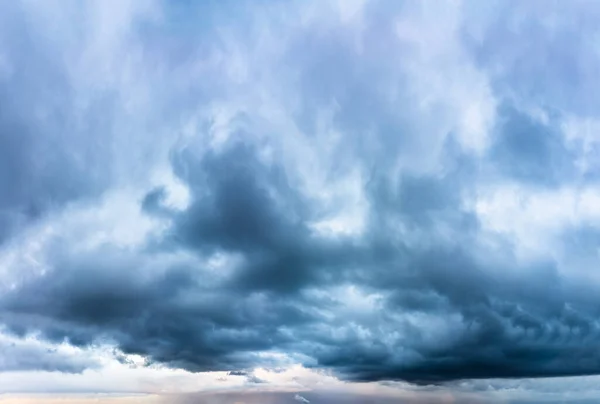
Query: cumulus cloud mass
point(404, 194)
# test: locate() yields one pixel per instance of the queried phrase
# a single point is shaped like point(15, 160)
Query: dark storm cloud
point(186, 316)
point(451, 300)
point(511, 324)
point(177, 318)
point(244, 206)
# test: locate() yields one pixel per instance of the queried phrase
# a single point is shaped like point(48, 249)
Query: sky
point(280, 201)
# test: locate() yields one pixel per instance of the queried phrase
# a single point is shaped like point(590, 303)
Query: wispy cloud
point(301, 399)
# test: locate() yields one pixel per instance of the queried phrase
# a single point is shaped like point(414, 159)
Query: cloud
point(301, 399)
point(52, 98)
point(381, 192)
point(17, 355)
point(237, 373)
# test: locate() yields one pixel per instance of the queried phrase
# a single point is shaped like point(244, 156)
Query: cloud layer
point(385, 190)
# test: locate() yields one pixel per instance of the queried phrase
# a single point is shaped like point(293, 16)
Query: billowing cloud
point(382, 190)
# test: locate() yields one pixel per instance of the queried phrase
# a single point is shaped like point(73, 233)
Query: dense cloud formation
point(388, 190)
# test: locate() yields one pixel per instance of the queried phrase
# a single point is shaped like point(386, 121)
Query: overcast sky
point(279, 201)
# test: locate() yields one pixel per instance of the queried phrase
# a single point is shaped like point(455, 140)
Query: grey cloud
point(531, 151)
point(448, 303)
point(250, 377)
point(59, 134)
point(18, 356)
point(37, 172)
point(184, 316)
point(509, 325)
point(253, 379)
point(551, 67)
point(244, 206)
point(237, 373)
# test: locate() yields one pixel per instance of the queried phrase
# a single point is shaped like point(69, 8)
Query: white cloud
point(535, 218)
point(300, 399)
